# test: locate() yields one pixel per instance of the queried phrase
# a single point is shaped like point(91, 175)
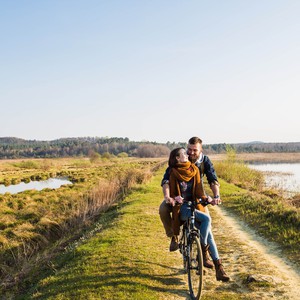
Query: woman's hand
point(178, 199)
point(170, 201)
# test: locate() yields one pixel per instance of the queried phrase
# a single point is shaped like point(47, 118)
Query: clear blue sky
point(227, 71)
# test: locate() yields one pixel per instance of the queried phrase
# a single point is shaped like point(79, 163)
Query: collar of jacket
point(199, 160)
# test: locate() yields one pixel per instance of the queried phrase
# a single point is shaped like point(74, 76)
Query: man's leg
point(165, 216)
point(220, 273)
point(213, 250)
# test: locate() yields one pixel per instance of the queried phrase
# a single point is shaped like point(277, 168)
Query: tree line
point(11, 147)
point(255, 147)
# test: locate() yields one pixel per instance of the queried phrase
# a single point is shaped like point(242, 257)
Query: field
point(55, 239)
point(34, 221)
point(261, 157)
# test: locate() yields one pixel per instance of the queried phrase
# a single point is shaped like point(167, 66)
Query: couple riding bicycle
point(182, 185)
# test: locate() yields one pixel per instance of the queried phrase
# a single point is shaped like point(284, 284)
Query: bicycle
point(189, 247)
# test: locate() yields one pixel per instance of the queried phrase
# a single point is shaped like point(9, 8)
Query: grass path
point(129, 259)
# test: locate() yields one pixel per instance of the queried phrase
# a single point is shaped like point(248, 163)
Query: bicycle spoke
point(195, 268)
point(182, 249)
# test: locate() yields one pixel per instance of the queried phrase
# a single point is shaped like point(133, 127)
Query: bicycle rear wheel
point(195, 268)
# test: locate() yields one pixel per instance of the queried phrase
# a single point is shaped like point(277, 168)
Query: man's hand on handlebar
point(217, 200)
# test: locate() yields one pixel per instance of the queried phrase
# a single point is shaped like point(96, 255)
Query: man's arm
point(212, 179)
point(215, 188)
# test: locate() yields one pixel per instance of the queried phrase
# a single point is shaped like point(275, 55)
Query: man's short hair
point(195, 140)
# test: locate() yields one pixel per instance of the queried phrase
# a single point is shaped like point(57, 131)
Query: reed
point(33, 221)
point(237, 172)
point(272, 214)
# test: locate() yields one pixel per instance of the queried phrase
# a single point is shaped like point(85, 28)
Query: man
point(205, 166)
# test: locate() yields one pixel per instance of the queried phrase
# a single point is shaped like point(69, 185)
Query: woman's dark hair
point(172, 158)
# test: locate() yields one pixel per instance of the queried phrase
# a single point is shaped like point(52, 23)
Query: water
point(52, 183)
point(285, 176)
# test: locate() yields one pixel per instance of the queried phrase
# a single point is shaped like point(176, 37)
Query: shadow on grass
point(133, 277)
point(121, 281)
point(62, 258)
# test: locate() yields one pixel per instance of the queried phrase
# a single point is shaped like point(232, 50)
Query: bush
point(238, 173)
point(28, 164)
point(106, 155)
point(123, 155)
point(94, 157)
point(150, 150)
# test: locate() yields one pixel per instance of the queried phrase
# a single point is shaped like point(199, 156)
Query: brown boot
point(174, 243)
point(220, 273)
point(206, 262)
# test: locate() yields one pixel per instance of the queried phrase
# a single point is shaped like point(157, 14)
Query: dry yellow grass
point(33, 221)
point(260, 157)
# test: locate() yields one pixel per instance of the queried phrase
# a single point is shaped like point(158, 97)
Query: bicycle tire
point(195, 268)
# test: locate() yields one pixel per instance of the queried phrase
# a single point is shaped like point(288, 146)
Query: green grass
point(265, 210)
point(32, 222)
point(240, 174)
point(128, 259)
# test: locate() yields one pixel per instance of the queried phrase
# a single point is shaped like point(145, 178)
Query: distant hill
point(255, 142)
point(12, 147)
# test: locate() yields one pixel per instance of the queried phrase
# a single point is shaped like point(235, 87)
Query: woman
point(185, 183)
point(186, 186)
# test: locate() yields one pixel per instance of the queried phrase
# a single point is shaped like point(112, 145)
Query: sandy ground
point(244, 253)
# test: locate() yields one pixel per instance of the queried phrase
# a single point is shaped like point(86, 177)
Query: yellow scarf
point(185, 172)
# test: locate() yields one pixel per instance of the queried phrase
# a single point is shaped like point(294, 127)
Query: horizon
point(141, 141)
point(226, 71)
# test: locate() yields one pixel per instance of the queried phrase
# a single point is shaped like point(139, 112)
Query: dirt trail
point(244, 253)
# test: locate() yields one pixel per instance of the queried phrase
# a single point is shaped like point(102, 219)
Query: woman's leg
point(176, 219)
point(203, 223)
point(165, 216)
point(185, 212)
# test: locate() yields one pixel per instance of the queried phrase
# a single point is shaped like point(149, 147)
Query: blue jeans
point(213, 250)
point(203, 223)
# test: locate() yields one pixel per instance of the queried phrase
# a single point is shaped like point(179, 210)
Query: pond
point(285, 176)
point(51, 183)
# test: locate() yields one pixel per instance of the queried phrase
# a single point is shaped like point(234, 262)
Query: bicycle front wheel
point(182, 248)
point(195, 268)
